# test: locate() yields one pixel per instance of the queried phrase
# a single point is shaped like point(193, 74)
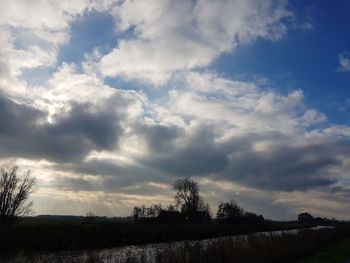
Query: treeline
point(309, 219)
point(144, 212)
point(190, 207)
point(234, 214)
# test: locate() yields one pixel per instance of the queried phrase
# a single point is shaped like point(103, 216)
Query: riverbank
point(59, 236)
point(285, 247)
point(279, 246)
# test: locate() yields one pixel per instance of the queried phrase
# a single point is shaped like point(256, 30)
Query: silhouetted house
point(170, 217)
point(197, 217)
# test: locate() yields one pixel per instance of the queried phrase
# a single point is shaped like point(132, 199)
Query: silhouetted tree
point(144, 212)
point(187, 194)
point(90, 217)
point(15, 190)
point(170, 208)
point(229, 210)
point(252, 218)
point(90, 214)
point(153, 210)
point(205, 207)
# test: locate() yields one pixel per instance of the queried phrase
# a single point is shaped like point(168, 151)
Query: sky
point(108, 102)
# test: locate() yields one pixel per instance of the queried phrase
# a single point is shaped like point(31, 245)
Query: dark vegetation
point(254, 248)
point(190, 218)
point(15, 190)
point(191, 206)
point(36, 235)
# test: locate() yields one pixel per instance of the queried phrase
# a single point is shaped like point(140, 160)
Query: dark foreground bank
point(285, 247)
point(56, 236)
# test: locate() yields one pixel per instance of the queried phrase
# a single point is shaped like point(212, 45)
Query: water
point(130, 254)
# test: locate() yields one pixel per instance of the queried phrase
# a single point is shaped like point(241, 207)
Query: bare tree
point(15, 190)
point(144, 212)
point(187, 194)
point(170, 208)
point(153, 210)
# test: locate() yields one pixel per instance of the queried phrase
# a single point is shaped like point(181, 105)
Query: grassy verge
point(337, 253)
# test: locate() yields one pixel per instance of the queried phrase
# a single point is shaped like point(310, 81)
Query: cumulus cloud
point(243, 105)
point(344, 62)
point(31, 34)
point(177, 35)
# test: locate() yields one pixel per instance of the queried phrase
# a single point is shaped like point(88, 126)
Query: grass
point(337, 253)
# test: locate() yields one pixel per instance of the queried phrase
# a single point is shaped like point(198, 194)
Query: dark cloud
point(284, 167)
point(85, 127)
point(159, 137)
point(195, 154)
point(113, 174)
point(17, 120)
point(173, 151)
point(109, 184)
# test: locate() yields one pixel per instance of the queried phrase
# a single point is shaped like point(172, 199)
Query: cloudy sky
point(109, 101)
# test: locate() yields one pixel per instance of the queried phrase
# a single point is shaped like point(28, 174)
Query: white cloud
point(176, 35)
point(313, 116)
point(242, 105)
point(344, 62)
point(338, 130)
point(31, 33)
